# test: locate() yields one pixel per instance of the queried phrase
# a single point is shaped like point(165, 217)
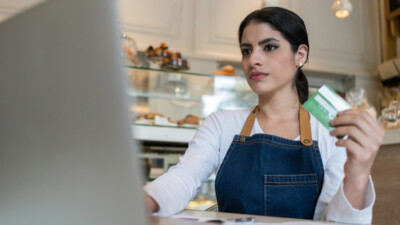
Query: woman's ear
point(301, 55)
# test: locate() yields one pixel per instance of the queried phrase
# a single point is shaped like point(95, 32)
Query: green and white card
point(325, 104)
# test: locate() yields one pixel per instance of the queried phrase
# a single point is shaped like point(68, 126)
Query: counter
point(219, 215)
point(163, 133)
point(386, 176)
point(184, 135)
point(391, 137)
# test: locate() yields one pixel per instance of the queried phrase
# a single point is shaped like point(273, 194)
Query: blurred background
point(182, 62)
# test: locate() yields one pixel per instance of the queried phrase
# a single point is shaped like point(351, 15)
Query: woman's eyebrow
point(260, 42)
point(266, 40)
point(245, 45)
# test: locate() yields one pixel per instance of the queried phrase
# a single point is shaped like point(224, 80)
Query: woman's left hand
point(364, 138)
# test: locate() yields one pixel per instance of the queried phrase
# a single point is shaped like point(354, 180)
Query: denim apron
point(268, 175)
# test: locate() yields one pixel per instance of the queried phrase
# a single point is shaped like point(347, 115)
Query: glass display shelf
point(161, 95)
point(178, 94)
point(181, 100)
point(166, 126)
point(170, 71)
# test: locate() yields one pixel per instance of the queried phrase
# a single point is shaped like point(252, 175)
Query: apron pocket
point(292, 196)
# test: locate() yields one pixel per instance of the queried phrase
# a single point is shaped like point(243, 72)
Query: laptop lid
point(66, 149)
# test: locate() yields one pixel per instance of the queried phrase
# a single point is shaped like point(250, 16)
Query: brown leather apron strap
point(304, 121)
point(248, 125)
point(305, 127)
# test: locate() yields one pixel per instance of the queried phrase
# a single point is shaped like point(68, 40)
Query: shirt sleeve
point(176, 188)
point(340, 210)
point(332, 204)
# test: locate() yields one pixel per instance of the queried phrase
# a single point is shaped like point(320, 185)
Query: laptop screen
point(66, 149)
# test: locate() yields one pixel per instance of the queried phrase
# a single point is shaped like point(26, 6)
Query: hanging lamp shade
point(341, 8)
point(270, 3)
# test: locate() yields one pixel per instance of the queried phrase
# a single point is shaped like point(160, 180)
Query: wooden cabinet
point(346, 46)
point(208, 29)
point(217, 23)
point(349, 44)
point(153, 21)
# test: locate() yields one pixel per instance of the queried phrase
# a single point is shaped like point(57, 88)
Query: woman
point(275, 159)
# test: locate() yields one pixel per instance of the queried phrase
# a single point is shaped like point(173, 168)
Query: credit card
point(325, 104)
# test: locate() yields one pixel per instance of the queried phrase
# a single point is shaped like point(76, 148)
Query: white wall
point(205, 31)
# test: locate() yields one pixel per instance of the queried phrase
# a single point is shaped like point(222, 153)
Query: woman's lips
point(257, 75)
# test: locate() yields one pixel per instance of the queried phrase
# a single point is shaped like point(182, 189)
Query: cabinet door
point(346, 46)
point(217, 23)
point(153, 21)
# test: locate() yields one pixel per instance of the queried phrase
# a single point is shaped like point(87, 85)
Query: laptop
point(66, 150)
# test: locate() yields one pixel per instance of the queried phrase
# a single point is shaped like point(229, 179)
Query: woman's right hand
point(151, 204)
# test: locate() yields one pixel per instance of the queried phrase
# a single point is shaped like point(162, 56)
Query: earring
point(300, 64)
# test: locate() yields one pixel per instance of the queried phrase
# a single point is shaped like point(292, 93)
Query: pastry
point(163, 45)
point(226, 70)
point(152, 115)
point(157, 51)
point(189, 119)
point(167, 59)
point(150, 51)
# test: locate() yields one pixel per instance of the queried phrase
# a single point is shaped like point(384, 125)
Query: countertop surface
point(184, 135)
point(392, 137)
point(206, 217)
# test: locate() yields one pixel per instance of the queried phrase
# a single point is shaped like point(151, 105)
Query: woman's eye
point(246, 51)
point(270, 47)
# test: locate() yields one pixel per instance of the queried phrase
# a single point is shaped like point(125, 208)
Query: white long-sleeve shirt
point(174, 189)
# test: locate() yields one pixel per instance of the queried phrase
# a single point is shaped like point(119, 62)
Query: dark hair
point(292, 29)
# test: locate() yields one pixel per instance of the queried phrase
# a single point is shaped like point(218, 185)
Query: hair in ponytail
point(301, 84)
point(292, 28)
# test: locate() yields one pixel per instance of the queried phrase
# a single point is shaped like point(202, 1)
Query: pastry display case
point(167, 107)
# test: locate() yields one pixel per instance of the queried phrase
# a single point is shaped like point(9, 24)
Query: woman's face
point(267, 59)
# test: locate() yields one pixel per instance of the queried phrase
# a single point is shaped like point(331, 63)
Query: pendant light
point(270, 3)
point(341, 8)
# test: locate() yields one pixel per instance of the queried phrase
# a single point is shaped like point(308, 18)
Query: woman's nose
point(255, 59)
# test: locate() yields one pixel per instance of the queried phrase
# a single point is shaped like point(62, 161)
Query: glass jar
point(390, 117)
point(130, 50)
